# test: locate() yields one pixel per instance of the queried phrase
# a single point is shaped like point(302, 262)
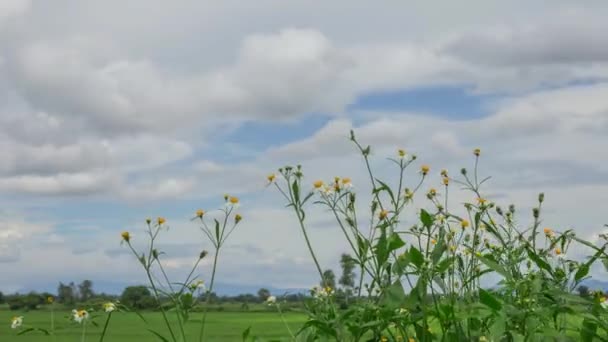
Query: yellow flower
point(234, 200)
point(318, 184)
point(453, 248)
point(425, 169)
point(200, 213)
point(432, 192)
point(271, 177)
point(433, 241)
point(50, 299)
point(384, 339)
point(558, 251)
point(347, 183)
point(160, 220)
point(481, 201)
point(411, 339)
point(446, 181)
point(237, 218)
point(464, 224)
point(383, 214)
point(477, 152)
point(401, 153)
point(125, 236)
point(336, 179)
point(548, 232)
point(444, 173)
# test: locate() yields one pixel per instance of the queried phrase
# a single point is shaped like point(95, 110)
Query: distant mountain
point(595, 284)
point(116, 288)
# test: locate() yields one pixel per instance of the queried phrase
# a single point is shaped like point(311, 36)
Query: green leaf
point(217, 229)
point(28, 330)
point(158, 335)
point(495, 266)
point(584, 269)
point(539, 262)
point(581, 272)
point(296, 191)
point(416, 256)
point(439, 249)
point(588, 330)
point(426, 218)
point(489, 300)
point(246, 333)
point(393, 296)
point(395, 242)
point(386, 188)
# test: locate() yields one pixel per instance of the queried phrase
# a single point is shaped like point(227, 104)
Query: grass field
point(221, 326)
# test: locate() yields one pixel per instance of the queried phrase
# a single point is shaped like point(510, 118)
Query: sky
point(112, 112)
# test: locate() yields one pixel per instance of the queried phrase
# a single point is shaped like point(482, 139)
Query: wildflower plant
point(180, 298)
point(424, 279)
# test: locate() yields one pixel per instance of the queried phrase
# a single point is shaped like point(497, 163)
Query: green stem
point(84, 330)
point(53, 322)
point(208, 299)
point(176, 300)
point(105, 327)
point(312, 253)
point(160, 305)
point(285, 322)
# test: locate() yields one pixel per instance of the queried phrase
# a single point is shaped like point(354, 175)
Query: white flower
point(402, 311)
point(16, 322)
point(347, 184)
point(320, 292)
point(271, 300)
point(197, 285)
point(327, 190)
point(109, 307)
point(80, 315)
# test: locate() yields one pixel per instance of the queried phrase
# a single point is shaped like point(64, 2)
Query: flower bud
point(535, 212)
point(203, 254)
point(512, 208)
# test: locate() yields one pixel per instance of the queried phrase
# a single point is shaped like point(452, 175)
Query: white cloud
point(119, 109)
point(10, 8)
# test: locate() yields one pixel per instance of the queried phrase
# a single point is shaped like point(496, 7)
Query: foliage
point(138, 297)
point(424, 281)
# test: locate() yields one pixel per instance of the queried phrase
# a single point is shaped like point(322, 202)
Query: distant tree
point(329, 279)
point(75, 292)
point(347, 280)
point(32, 300)
point(65, 294)
point(2, 300)
point(137, 297)
point(86, 290)
point(263, 294)
point(583, 291)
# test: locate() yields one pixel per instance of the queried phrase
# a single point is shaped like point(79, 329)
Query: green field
point(221, 326)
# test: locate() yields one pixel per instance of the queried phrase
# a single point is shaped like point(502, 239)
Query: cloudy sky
point(114, 111)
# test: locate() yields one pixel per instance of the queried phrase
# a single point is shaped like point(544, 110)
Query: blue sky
point(108, 117)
